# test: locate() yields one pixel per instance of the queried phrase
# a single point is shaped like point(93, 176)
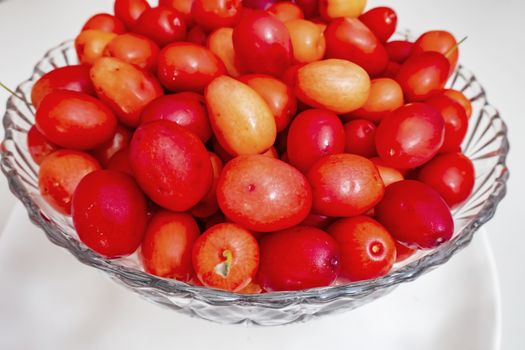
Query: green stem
point(455, 47)
point(3, 86)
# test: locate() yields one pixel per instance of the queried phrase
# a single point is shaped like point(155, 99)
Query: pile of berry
point(254, 146)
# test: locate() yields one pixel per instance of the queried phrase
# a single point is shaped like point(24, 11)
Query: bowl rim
point(135, 278)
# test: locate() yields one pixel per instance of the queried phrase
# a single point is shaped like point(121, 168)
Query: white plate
point(51, 301)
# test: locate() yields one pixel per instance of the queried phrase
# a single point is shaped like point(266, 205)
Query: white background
point(494, 51)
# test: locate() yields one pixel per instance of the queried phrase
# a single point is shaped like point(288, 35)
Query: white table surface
point(494, 50)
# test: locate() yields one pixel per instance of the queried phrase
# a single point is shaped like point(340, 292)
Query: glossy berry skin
point(410, 136)
point(314, 134)
point(360, 137)
point(241, 120)
point(456, 122)
point(129, 11)
point(120, 162)
point(391, 70)
point(106, 151)
point(71, 78)
point(399, 50)
point(308, 41)
point(163, 25)
point(403, 252)
point(134, 49)
point(126, 89)
point(330, 9)
point(279, 97)
point(367, 249)
point(286, 11)
point(263, 194)
point(460, 98)
point(423, 75)
point(188, 67)
point(183, 6)
point(170, 164)
point(298, 258)
point(38, 146)
point(438, 41)
point(415, 215)
point(209, 205)
point(262, 43)
point(334, 84)
point(388, 174)
point(451, 174)
point(345, 185)
point(382, 21)
point(75, 120)
point(167, 245)
point(214, 14)
point(59, 175)
point(109, 213)
point(106, 23)
point(226, 257)
point(220, 42)
point(385, 96)
point(187, 109)
point(90, 45)
point(349, 39)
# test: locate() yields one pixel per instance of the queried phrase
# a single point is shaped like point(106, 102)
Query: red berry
point(59, 175)
point(109, 213)
point(367, 249)
point(71, 78)
point(163, 25)
point(314, 134)
point(348, 38)
point(262, 43)
point(382, 21)
point(456, 122)
point(345, 185)
point(213, 14)
point(186, 109)
point(263, 194)
point(423, 75)
point(167, 245)
point(226, 257)
point(451, 174)
point(360, 138)
point(399, 50)
point(415, 215)
point(410, 136)
point(170, 164)
point(188, 67)
point(106, 23)
point(129, 11)
point(75, 120)
point(298, 258)
point(39, 147)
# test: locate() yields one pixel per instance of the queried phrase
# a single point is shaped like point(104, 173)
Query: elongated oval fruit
point(337, 85)
point(109, 213)
point(170, 164)
point(263, 194)
point(415, 215)
point(75, 120)
point(126, 89)
point(242, 121)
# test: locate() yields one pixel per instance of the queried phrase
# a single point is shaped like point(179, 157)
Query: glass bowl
point(486, 144)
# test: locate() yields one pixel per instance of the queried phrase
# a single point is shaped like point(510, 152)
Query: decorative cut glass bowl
point(486, 144)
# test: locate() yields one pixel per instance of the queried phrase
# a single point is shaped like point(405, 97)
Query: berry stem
point(455, 47)
point(3, 86)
